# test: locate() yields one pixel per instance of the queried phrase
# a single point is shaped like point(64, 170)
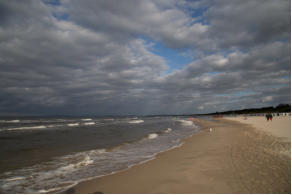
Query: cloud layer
point(97, 57)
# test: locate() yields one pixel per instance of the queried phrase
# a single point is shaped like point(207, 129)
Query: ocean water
point(49, 155)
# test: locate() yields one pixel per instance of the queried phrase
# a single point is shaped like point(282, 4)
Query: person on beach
point(267, 117)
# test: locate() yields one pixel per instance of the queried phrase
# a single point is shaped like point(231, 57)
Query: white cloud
point(267, 99)
point(201, 107)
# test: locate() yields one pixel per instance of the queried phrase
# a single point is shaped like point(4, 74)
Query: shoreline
point(207, 162)
point(71, 190)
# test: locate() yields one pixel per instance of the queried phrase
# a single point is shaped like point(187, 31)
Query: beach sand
point(233, 158)
point(279, 126)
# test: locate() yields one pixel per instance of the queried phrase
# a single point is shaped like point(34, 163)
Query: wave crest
point(10, 121)
point(136, 121)
point(28, 128)
point(186, 122)
point(152, 135)
point(89, 123)
point(168, 130)
point(73, 124)
point(86, 119)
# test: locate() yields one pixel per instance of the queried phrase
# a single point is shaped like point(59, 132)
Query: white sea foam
point(59, 172)
point(43, 191)
point(89, 123)
point(186, 123)
point(82, 154)
point(98, 151)
point(12, 121)
point(30, 128)
point(73, 124)
point(51, 126)
point(136, 121)
point(168, 130)
point(86, 161)
point(87, 119)
point(14, 179)
point(67, 169)
point(152, 135)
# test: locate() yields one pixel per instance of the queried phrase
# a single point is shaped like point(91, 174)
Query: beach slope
point(232, 158)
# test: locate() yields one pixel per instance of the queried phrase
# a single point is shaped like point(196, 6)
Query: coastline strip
point(232, 158)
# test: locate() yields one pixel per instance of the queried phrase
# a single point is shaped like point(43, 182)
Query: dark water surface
point(41, 155)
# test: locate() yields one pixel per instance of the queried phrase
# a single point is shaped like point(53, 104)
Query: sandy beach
point(279, 126)
point(235, 157)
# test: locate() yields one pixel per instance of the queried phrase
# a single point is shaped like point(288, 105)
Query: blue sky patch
point(176, 59)
point(198, 15)
point(52, 2)
point(61, 16)
point(213, 73)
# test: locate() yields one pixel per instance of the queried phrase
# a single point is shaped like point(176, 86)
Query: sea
point(52, 154)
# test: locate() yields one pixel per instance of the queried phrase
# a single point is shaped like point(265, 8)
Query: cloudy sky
point(117, 57)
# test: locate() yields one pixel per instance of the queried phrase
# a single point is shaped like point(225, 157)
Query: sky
point(112, 57)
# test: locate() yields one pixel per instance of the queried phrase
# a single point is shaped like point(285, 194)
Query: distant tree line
point(278, 109)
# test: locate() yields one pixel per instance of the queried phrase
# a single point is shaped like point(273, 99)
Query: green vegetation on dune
point(278, 109)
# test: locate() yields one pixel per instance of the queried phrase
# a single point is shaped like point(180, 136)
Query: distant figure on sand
point(269, 117)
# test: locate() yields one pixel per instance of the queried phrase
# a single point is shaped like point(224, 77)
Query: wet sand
point(233, 158)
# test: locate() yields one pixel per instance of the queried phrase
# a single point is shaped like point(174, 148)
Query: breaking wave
point(89, 123)
point(63, 166)
point(13, 121)
point(30, 128)
point(152, 135)
point(136, 121)
point(186, 122)
point(86, 119)
point(9, 121)
point(52, 126)
point(73, 124)
point(168, 130)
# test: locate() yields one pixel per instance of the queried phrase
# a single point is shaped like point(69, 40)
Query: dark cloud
point(95, 57)
point(161, 20)
point(248, 23)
